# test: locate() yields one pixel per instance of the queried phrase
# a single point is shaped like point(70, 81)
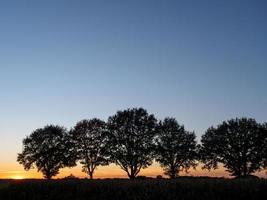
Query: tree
point(131, 139)
point(47, 150)
point(239, 144)
point(264, 129)
point(90, 141)
point(176, 148)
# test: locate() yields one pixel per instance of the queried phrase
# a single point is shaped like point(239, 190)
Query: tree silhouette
point(131, 139)
point(264, 129)
point(47, 150)
point(176, 148)
point(239, 144)
point(90, 141)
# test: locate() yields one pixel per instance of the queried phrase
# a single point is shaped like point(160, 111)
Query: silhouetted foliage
point(175, 147)
point(70, 177)
point(159, 177)
point(90, 141)
point(239, 144)
point(131, 139)
point(264, 129)
point(47, 150)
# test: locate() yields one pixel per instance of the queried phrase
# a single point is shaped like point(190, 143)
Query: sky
point(61, 61)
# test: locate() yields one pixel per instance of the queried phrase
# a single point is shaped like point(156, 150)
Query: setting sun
point(17, 177)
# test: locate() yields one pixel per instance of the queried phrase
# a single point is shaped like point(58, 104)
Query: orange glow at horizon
point(111, 171)
point(17, 177)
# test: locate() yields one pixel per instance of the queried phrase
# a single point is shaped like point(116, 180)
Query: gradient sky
point(61, 61)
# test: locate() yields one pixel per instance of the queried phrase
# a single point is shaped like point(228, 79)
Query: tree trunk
point(132, 177)
point(172, 172)
point(48, 175)
point(172, 175)
point(91, 175)
point(245, 169)
point(132, 173)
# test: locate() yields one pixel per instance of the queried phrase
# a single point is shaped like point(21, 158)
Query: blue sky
point(201, 62)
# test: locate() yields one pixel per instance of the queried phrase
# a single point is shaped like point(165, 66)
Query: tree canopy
point(176, 148)
point(90, 141)
point(264, 129)
point(132, 139)
point(131, 135)
point(239, 144)
point(47, 150)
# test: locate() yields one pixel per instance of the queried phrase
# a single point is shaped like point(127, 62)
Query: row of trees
point(132, 139)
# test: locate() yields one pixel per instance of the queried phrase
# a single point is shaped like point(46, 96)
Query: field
point(119, 189)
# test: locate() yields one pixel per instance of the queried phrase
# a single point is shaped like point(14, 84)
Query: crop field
point(119, 189)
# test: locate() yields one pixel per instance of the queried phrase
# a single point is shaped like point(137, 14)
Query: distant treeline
point(133, 138)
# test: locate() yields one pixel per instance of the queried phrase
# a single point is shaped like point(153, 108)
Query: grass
point(151, 189)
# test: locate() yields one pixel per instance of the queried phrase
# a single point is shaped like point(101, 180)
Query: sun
point(17, 177)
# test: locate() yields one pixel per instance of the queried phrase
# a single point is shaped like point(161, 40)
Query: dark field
point(182, 188)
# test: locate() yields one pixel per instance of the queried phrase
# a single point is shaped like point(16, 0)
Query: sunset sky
point(61, 61)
